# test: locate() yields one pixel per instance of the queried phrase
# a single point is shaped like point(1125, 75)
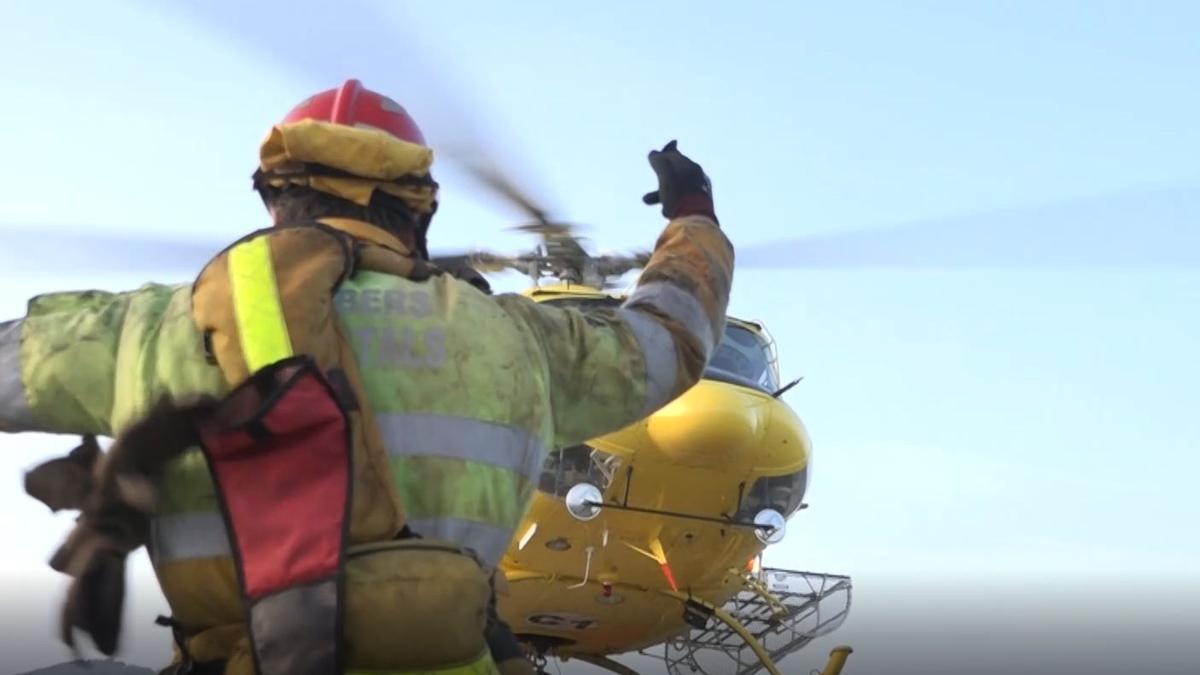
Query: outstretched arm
point(15, 414)
point(87, 362)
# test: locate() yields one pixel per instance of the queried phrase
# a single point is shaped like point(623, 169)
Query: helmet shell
point(354, 105)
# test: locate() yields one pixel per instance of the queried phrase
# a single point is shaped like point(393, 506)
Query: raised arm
point(610, 368)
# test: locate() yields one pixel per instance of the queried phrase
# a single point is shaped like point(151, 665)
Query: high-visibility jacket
point(470, 391)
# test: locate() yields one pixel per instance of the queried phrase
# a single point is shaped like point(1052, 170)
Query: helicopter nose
point(708, 423)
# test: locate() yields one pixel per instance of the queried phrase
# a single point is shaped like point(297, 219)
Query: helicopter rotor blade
point(1150, 228)
point(32, 249)
point(1146, 228)
point(28, 248)
point(480, 261)
point(356, 39)
point(489, 176)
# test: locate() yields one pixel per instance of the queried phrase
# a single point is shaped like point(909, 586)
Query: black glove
point(96, 560)
point(66, 482)
point(115, 519)
point(683, 188)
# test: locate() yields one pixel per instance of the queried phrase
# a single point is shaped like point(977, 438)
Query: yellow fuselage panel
point(695, 457)
point(698, 554)
point(628, 619)
point(718, 425)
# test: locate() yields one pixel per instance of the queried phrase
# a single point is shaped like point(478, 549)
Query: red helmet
point(354, 105)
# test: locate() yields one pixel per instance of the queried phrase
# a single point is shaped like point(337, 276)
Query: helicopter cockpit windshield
point(743, 357)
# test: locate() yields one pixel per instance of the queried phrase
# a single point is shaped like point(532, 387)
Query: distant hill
point(91, 668)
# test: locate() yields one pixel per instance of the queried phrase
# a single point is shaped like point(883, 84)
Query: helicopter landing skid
point(775, 614)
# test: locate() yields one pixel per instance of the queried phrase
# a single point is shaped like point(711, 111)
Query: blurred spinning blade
point(1158, 228)
point(51, 250)
point(1145, 228)
point(1131, 229)
point(325, 43)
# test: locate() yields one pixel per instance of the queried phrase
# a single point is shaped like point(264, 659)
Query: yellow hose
point(837, 660)
point(737, 627)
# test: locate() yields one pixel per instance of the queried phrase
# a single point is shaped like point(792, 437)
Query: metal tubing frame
point(763, 657)
point(748, 581)
point(837, 657)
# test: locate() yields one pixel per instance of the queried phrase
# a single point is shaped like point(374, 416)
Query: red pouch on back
point(279, 454)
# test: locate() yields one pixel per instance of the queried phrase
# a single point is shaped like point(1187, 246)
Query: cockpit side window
point(568, 467)
point(781, 493)
point(745, 356)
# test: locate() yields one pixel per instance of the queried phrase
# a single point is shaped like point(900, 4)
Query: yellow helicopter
point(652, 537)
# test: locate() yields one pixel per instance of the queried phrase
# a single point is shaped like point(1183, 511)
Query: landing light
point(776, 526)
point(583, 501)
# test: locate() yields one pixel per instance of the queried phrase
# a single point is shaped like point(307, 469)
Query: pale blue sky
point(971, 423)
